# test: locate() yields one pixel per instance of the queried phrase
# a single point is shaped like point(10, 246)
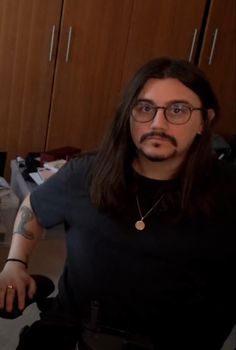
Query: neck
point(159, 170)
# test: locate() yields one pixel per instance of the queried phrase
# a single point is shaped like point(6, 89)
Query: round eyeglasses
point(176, 113)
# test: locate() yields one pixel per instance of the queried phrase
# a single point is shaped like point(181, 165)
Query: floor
point(48, 259)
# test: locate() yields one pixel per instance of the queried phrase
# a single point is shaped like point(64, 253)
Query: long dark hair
point(112, 175)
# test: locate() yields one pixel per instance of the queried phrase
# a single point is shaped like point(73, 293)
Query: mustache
point(160, 134)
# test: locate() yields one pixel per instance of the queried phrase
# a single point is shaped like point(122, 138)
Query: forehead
point(162, 91)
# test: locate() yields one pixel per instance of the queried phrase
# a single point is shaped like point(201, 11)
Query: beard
point(151, 156)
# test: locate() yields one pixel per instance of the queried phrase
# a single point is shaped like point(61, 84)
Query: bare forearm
point(26, 232)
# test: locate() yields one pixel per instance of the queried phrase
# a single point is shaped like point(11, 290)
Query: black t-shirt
point(175, 283)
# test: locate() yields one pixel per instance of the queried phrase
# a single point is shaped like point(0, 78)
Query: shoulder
point(72, 178)
point(77, 172)
point(81, 165)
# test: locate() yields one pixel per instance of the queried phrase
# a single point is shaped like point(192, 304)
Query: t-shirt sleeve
point(49, 200)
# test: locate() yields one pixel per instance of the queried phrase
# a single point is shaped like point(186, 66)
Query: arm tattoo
point(26, 216)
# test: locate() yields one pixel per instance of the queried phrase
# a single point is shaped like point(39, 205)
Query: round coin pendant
point(140, 225)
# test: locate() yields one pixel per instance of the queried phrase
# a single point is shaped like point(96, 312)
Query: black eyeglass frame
point(155, 109)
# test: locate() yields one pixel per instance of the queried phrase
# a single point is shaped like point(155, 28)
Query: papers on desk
point(54, 165)
point(45, 173)
point(48, 169)
point(37, 179)
point(41, 175)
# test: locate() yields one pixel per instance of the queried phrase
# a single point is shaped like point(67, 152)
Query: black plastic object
point(45, 287)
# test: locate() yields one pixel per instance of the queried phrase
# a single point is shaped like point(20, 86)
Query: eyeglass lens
point(176, 113)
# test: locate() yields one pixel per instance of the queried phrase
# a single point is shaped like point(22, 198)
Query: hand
point(15, 282)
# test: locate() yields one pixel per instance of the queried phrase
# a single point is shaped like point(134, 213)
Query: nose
point(159, 121)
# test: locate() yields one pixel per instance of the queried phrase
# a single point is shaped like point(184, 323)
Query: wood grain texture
point(26, 73)
point(87, 87)
point(222, 72)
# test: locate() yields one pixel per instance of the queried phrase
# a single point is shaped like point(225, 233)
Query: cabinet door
point(218, 60)
point(26, 72)
point(162, 28)
point(88, 72)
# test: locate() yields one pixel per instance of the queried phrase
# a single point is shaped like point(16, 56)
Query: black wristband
point(17, 260)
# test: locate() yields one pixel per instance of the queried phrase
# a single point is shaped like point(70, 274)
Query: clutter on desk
point(54, 165)
point(37, 167)
point(60, 153)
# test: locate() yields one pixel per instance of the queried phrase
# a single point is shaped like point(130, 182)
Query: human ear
point(210, 114)
point(209, 118)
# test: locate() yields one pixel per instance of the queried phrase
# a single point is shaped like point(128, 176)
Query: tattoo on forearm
point(26, 216)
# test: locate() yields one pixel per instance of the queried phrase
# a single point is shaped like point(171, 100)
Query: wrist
point(20, 261)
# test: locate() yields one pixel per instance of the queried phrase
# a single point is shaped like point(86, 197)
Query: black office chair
point(45, 287)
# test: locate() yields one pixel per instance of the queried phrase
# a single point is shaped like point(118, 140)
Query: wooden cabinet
point(26, 73)
point(162, 28)
point(88, 73)
point(218, 59)
point(64, 63)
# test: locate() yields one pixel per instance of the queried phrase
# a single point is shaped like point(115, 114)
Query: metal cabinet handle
point(193, 45)
point(68, 44)
point(213, 46)
point(51, 44)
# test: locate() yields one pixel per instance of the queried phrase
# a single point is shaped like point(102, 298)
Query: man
point(148, 218)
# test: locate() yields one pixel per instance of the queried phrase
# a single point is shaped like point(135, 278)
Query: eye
point(178, 109)
point(145, 107)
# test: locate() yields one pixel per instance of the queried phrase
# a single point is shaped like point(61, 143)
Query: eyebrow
point(167, 104)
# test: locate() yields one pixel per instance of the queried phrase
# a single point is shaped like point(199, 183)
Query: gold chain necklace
point(140, 224)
